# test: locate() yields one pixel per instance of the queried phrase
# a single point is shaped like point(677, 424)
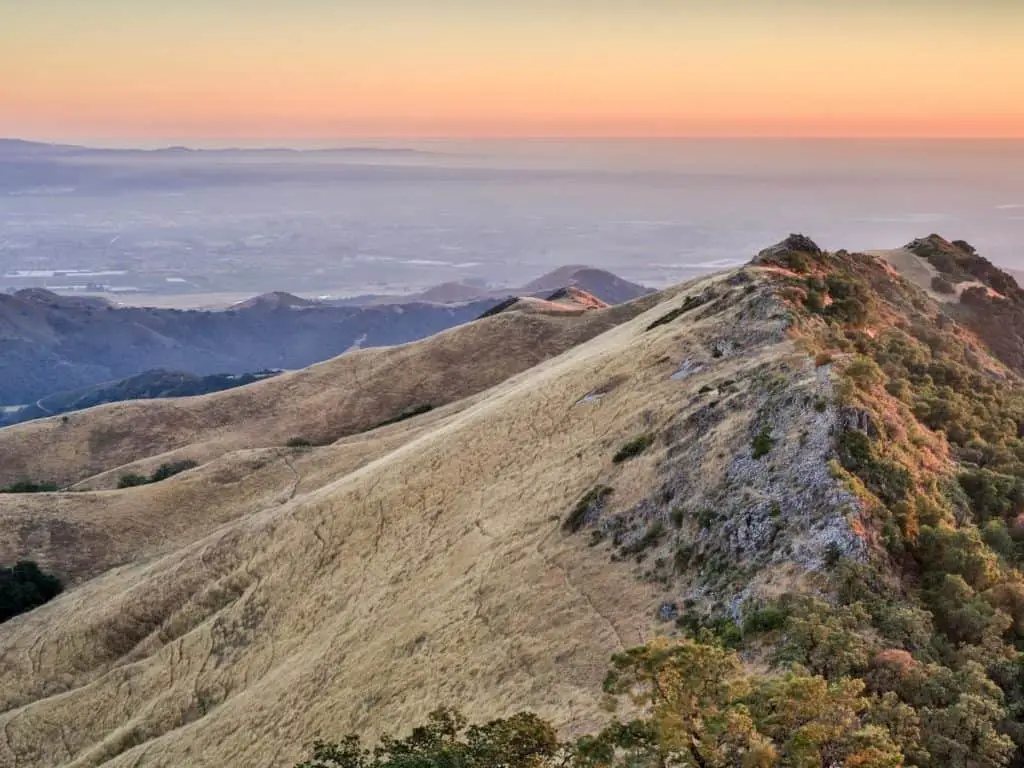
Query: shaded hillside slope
point(144, 386)
point(977, 293)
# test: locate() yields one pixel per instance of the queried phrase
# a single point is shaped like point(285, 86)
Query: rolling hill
point(51, 344)
point(767, 456)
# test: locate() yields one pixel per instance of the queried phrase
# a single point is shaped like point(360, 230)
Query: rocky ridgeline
point(746, 489)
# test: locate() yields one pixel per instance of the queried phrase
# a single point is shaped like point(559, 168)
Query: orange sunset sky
point(303, 69)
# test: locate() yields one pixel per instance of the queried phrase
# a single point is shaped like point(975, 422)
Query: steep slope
point(446, 553)
point(983, 297)
point(764, 457)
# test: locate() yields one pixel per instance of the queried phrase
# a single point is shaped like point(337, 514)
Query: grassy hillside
point(807, 460)
point(319, 405)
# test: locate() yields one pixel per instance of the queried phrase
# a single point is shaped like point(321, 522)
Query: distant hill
point(51, 344)
point(571, 301)
point(19, 148)
point(145, 386)
point(275, 300)
point(603, 285)
point(599, 283)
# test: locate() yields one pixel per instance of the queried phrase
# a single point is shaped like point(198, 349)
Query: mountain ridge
point(52, 343)
point(766, 457)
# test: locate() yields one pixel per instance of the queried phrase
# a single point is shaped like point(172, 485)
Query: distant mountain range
point(60, 345)
point(22, 148)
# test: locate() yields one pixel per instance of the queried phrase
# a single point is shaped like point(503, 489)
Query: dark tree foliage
point(24, 587)
point(28, 486)
point(445, 741)
point(633, 448)
point(163, 472)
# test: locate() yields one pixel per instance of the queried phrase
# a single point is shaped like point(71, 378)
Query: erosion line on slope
point(580, 593)
point(296, 475)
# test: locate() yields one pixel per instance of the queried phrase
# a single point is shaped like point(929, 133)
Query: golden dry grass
point(322, 403)
point(271, 596)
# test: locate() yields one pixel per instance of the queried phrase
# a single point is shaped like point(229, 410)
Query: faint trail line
point(295, 473)
point(568, 582)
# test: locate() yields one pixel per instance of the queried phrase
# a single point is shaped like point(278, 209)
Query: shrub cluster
point(162, 472)
point(23, 587)
point(633, 448)
point(28, 486)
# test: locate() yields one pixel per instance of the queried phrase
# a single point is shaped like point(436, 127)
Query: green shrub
point(706, 517)
point(24, 587)
point(942, 285)
point(851, 300)
point(993, 495)
point(444, 741)
point(886, 479)
point(163, 472)
point(171, 469)
point(592, 501)
point(633, 448)
point(27, 486)
point(406, 414)
point(132, 480)
point(299, 442)
point(766, 619)
point(832, 555)
point(762, 443)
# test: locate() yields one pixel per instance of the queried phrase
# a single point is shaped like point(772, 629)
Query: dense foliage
point(23, 587)
point(700, 708)
point(934, 623)
point(164, 471)
point(633, 448)
point(29, 486)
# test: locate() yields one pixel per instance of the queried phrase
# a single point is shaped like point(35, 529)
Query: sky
point(314, 69)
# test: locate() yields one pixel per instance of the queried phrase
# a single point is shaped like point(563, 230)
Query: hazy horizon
point(499, 211)
point(412, 141)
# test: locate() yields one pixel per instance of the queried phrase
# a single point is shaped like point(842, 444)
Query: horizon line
point(346, 142)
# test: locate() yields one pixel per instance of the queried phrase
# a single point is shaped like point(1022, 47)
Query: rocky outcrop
point(796, 243)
